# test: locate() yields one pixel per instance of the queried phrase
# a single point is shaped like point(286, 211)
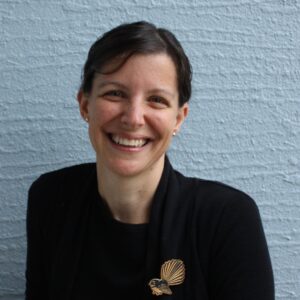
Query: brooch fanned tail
point(172, 273)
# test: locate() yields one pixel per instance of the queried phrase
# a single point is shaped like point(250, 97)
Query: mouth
point(128, 142)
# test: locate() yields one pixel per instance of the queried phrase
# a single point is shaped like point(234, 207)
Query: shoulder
point(220, 210)
point(70, 171)
point(214, 196)
point(67, 174)
point(49, 188)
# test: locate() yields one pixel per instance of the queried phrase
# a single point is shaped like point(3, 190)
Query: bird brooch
point(172, 272)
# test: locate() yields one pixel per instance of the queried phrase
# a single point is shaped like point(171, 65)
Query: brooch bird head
point(172, 273)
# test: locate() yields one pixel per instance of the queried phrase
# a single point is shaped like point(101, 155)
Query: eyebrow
point(157, 90)
point(105, 83)
point(163, 91)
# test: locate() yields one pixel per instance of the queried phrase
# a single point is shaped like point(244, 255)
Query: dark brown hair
point(137, 38)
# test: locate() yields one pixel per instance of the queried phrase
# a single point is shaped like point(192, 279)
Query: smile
point(136, 143)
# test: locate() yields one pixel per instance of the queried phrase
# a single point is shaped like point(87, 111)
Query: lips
point(128, 142)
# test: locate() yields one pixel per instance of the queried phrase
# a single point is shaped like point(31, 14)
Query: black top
point(112, 263)
point(214, 229)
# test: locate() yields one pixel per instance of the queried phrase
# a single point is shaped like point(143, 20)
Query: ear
point(182, 114)
point(82, 99)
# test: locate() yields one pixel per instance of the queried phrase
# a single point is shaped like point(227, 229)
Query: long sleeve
point(35, 269)
point(240, 267)
point(42, 203)
point(56, 201)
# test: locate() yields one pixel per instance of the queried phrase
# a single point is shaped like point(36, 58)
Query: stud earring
point(174, 133)
point(86, 119)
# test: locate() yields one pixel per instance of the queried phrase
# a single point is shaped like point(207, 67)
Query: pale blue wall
point(243, 128)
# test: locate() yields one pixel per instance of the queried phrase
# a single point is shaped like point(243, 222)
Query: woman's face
point(132, 114)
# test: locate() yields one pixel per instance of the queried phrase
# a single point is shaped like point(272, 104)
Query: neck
point(129, 197)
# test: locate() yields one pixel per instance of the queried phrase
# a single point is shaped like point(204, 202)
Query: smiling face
point(133, 113)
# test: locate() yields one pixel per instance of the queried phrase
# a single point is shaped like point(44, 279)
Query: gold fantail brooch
point(172, 272)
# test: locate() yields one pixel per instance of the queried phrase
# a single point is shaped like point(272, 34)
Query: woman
point(130, 225)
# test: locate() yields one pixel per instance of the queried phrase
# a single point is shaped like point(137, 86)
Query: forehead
point(153, 68)
point(115, 63)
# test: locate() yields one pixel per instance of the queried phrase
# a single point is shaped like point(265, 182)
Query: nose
point(133, 115)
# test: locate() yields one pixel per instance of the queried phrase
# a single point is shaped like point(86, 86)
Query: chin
point(126, 168)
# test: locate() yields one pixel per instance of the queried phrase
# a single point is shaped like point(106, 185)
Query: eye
point(114, 95)
point(158, 101)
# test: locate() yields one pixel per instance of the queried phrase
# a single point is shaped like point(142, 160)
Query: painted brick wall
point(243, 129)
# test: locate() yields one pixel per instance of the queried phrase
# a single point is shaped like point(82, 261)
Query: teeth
point(127, 142)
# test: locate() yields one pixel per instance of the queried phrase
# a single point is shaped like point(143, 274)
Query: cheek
point(104, 112)
point(164, 123)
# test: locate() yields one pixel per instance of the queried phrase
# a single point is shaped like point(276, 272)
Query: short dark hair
point(141, 37)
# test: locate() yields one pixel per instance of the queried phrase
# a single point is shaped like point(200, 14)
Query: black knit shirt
point(112, 263)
